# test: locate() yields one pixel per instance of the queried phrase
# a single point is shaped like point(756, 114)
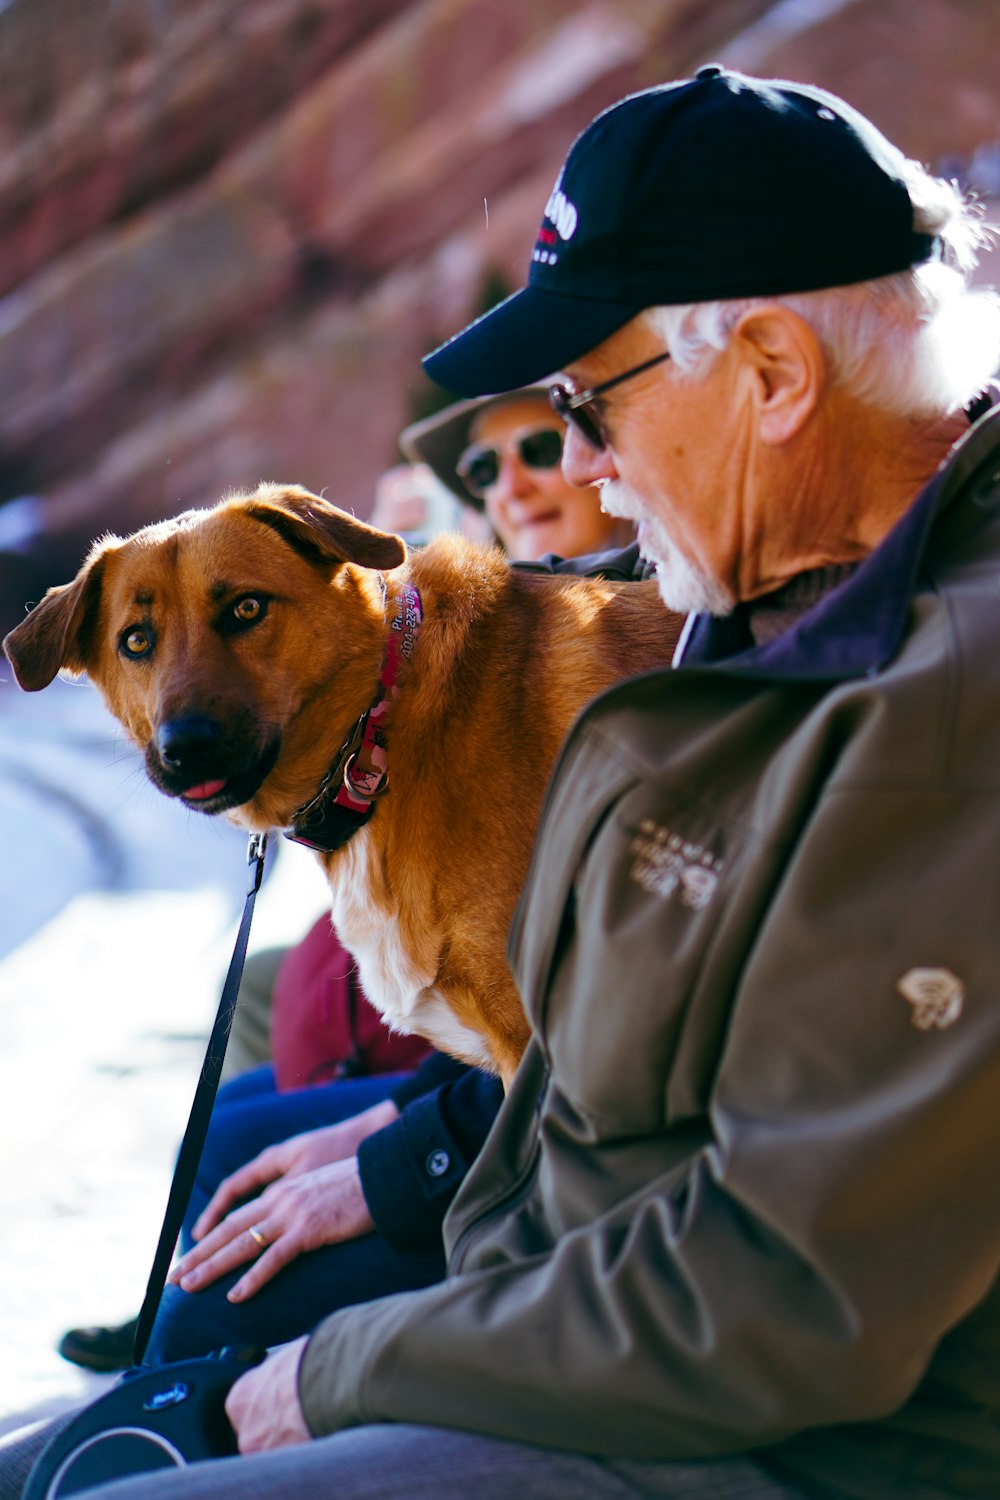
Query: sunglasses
point(479, 465)
point(572, 405)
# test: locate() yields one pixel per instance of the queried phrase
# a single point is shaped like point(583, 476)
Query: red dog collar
point(345, 801)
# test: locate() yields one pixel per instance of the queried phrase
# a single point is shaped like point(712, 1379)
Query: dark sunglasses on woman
point(538, 448)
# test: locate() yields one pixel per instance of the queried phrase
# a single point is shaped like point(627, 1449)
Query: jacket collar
point(858, 627)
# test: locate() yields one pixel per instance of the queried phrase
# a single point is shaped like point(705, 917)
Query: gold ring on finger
point(259, 1239)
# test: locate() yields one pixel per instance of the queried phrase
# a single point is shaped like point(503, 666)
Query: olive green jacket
point(744, 1193)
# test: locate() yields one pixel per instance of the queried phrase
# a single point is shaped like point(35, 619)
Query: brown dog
point(242, 648)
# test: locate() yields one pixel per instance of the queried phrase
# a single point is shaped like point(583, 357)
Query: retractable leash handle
point(196, 1130)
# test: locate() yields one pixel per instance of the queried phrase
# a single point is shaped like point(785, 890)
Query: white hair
point(917, 343)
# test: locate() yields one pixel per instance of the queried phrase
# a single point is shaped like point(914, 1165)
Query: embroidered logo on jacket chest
point(936, 995)
point(668, 865)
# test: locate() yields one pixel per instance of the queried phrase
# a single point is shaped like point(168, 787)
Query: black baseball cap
point(717, 186)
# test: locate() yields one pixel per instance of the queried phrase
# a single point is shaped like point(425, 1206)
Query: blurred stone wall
point(230, 228)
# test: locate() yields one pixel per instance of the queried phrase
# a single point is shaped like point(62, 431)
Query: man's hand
point(263, 1405)
point(291, 1158)
point(294, 1215)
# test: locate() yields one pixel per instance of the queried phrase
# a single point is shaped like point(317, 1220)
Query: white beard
point(684, 587)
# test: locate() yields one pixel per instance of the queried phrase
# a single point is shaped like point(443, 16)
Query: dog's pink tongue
point(203, 791)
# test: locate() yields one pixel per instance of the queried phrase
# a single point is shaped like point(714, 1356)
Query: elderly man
point(736, 1231)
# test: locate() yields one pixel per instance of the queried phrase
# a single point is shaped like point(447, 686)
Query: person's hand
point(291, 1216)
point(263, 1405)
point(292, 1158)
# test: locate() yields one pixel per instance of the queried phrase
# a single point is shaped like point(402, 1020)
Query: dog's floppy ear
point(321, 530)
point(54, 636)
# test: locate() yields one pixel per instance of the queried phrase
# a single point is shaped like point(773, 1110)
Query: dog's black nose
point(188, 744)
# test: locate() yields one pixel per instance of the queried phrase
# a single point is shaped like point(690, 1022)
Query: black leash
point(201, 1110)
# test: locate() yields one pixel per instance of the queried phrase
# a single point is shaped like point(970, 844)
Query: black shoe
point(101, 1349)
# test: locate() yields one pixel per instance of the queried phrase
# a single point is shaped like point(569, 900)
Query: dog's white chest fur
point(407, 998)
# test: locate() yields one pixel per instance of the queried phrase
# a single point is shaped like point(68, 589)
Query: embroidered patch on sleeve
point(666, 864)
point(936, 995)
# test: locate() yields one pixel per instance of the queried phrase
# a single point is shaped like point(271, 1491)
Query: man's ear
point(787, 366)
point(54, 636)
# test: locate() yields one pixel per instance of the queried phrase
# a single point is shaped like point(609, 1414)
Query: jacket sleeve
point(412, 1169)
point(437, 1068)
point(800, 1265)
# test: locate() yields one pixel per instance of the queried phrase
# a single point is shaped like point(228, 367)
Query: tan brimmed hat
point(439, 441)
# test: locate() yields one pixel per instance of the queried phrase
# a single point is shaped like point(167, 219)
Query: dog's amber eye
point(136, 642)
point(248, 609)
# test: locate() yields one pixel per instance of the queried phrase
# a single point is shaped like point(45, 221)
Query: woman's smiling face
point(535, 510)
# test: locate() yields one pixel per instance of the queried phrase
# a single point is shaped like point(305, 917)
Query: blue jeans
point(250, 1114)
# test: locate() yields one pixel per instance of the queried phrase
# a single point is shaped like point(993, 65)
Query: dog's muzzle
point(193, 758)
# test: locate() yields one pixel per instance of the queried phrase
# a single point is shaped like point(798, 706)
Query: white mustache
point(618, 499)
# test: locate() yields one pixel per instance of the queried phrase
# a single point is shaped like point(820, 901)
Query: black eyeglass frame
point(463, 468)
point(569, 404)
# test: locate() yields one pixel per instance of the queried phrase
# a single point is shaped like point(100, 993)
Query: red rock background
point(229, 230)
